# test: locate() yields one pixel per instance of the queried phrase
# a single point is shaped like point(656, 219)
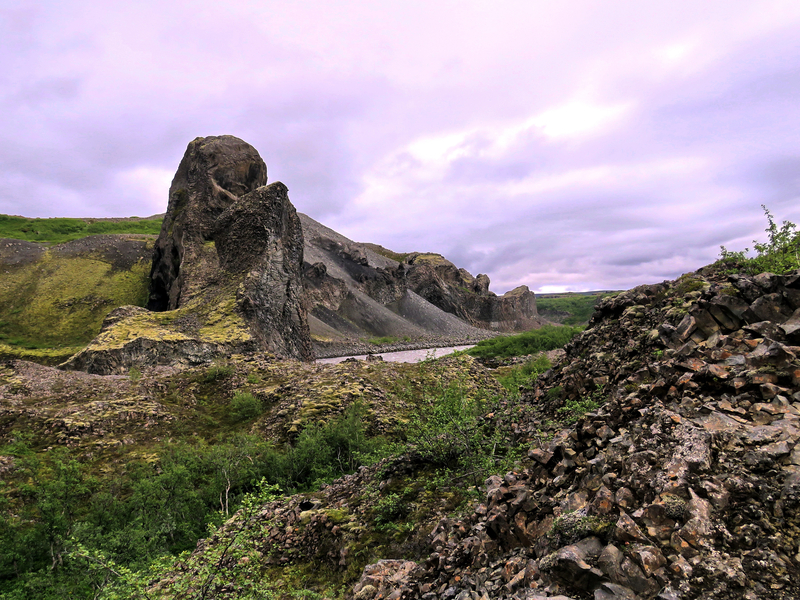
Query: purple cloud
point(544, 145)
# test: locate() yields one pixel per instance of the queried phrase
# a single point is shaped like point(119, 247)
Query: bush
point(324, 452)
point(779, 255)
point(574, 410)
point(546, 338)
point(216, 372)
point(525, 374)
point(390, 508)
point(245, 406)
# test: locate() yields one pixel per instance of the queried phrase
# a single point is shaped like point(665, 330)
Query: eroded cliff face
point(213, 174)
point(357, 290)
point(226, 274)
point(456, 291)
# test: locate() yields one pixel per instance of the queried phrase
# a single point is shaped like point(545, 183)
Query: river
point(408, 356)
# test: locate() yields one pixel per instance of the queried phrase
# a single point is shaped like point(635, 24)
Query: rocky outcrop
point(456, 291)
point(213, 174)
point(356, 291)
point(226, 272)
point(680, 475)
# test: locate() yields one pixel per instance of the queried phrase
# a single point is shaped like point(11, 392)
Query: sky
point(566, 146)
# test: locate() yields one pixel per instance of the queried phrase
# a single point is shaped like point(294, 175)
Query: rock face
point(213, 174)
point(456, 291)
point(360, 290)
point(226, 273)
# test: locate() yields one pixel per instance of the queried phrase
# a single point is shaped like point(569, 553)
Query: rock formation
point(213, 174)
point(360, 290)
point(226, 273)
point(663, 462)
point(684, 482)
point(456, 291)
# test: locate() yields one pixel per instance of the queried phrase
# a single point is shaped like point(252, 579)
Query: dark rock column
point(214, 172)
point(260, 238)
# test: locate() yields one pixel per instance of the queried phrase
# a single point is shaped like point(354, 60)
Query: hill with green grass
point(569, 308)
point(58, 230)
point(53, 298)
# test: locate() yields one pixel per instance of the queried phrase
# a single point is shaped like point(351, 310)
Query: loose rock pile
point(685, 483)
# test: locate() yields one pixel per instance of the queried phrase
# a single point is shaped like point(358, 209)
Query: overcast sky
point(562, 145)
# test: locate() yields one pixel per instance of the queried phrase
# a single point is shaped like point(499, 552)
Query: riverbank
point(362, 347)
point(405, 356)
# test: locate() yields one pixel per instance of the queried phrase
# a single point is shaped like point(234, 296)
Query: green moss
point(674, 505)
point(60, 301)
point(43, 356)
point(431, 259)
point(686, 284)
point(573, 526)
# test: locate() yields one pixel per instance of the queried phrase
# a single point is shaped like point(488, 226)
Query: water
point(407, 356)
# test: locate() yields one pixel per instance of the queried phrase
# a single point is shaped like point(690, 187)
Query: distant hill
point(59, 229)
point(569, 308)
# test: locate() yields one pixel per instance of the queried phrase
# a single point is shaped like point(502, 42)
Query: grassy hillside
point(58, 230)
point(52, 306)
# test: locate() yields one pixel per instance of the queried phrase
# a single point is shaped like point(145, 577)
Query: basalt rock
point(213, 174)
point(456, 291)
point(226, 274)
point(664, 459)
point(357, 290)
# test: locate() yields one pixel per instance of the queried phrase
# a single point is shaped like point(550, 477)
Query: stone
point(627, 530)
point(614, 591)
point(569, 564)
point(226, 275)
point(213, 174)
point(769, 307)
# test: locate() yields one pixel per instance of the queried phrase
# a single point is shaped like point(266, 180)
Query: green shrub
point(546, 338)
point(390, 508)
point(780, 254)
point(245, 406)
point(525, 374)
point(216, 372)
point(323, 452)
point(574, 410)
point(452, 429)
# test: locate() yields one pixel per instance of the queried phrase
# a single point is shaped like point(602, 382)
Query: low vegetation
point(387, 339)
point(58, 230)
point(53, 305)
point(779, 254)
point(524, 375)
point(571, 309)
point(79, 523)
point(57, 514)
point(543, 339)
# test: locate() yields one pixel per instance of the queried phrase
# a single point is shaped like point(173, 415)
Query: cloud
point(558, 148)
